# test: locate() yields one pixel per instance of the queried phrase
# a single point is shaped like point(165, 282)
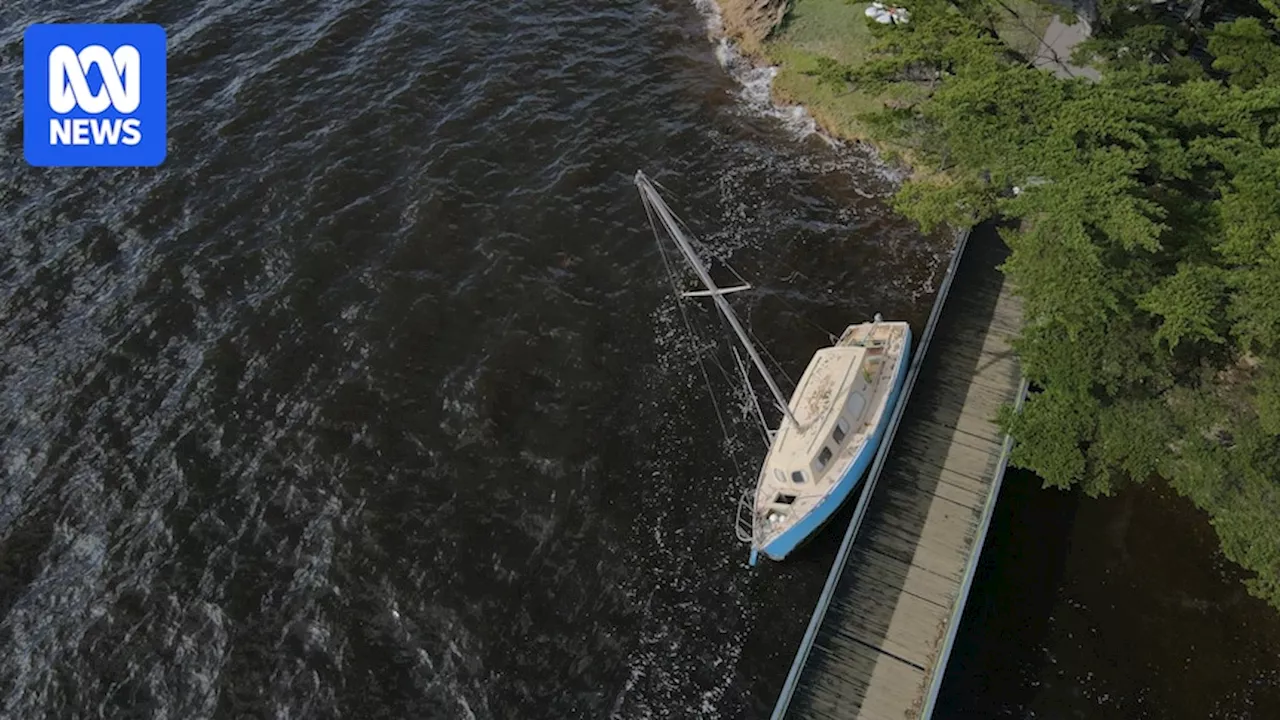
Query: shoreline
point(742, 30)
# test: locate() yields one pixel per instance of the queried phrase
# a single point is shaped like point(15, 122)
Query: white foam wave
point(755, 82)
point(756, 95)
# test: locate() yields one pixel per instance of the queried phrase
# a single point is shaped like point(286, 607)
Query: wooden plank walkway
point(878, 650)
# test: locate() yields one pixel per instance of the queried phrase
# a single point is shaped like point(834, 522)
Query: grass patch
point(815, 29)
point(838, 29)
point(835, 28)
point(836, 109)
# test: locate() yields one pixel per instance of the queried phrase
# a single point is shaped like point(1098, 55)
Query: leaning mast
point(654, 200)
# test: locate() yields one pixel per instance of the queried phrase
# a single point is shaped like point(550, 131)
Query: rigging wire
point(725, 373)
point(776, 365)
point(780, 296)
point(783, 299)
point(760, 346)
point(721, 260)
point(724, 428)
point(752, 398)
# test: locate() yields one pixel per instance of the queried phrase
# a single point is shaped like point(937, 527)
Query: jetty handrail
point(873, 475)
point(957, 612)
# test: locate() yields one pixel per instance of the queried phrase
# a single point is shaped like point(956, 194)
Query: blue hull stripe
point(781, 546)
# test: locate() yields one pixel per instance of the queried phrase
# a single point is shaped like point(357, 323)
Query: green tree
point(1145, 245)
point(1246, 50)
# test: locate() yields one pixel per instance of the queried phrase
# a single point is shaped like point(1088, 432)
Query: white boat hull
point(780, 544)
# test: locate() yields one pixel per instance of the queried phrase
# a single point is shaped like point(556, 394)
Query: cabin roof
point(818, 398)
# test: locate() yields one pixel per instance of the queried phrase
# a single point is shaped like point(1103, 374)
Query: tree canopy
point(1146, 248)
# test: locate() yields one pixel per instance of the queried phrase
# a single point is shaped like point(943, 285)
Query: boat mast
point(654, 200)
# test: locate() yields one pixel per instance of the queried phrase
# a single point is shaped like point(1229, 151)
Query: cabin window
point(784, 499)
point(824, 457)
point(841, 431)
point(797, 476)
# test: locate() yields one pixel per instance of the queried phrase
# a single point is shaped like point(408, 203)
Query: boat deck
point(879, 645)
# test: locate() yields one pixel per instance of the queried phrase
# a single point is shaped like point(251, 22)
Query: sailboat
point(831, 425)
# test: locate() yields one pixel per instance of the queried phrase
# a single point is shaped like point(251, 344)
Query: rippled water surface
point(373, 401)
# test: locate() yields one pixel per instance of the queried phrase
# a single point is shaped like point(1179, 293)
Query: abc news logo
point(69, 89)
point(94, 95)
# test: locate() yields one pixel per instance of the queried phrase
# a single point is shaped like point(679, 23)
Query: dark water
point(1119, 607)
point(373, 402)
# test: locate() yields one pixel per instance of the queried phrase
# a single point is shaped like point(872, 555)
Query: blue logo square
point(94, 95)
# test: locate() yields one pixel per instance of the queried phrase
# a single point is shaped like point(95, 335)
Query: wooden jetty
point(879, 639)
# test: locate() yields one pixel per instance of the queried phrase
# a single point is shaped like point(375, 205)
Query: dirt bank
point(749, 22)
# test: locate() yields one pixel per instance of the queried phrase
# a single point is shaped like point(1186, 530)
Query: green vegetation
point(1021, 24)
point(821, 40)
point(814, 34)
point(1145, 235)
